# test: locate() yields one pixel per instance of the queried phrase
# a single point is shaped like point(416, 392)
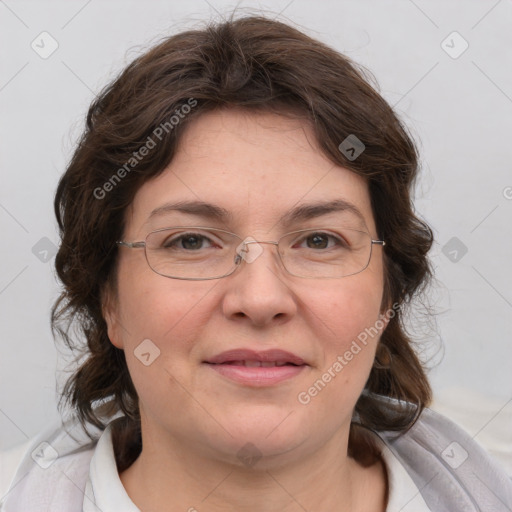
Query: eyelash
point(173, 240)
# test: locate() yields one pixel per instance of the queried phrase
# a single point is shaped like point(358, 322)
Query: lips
point(254, 364)
point(257, 369)
point(267, 358)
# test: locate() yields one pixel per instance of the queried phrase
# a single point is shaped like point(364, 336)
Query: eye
point(187, 241)
point(321, 240)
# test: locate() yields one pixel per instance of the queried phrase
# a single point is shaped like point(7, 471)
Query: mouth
point(257, 369)
point(260, 364)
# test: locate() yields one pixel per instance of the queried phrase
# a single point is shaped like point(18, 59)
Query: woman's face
point(257, 168)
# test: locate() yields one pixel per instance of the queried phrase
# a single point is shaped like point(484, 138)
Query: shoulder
point(451, 469)
point(48, 472)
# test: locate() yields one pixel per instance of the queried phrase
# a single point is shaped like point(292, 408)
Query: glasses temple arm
point(131, 245)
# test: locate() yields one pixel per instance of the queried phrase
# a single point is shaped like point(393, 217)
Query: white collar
point(105, 492)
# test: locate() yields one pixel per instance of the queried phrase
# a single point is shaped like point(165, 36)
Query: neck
point(179, 477)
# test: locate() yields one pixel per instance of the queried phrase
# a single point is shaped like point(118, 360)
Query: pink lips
point(257, 368)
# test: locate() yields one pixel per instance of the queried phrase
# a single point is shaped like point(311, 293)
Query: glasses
point(198, 253)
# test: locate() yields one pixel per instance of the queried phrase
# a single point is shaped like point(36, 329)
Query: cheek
point(152, 306)
point(171, 315)
point(347, 318)
point(168, 313)
point(347, 307)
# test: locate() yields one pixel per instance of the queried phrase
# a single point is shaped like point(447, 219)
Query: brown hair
point(255, 64)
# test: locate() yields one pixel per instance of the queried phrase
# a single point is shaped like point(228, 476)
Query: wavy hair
point(252, 63)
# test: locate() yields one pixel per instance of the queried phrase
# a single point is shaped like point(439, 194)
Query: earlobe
point(385, 317)
point(109, 311)
point(387, 313)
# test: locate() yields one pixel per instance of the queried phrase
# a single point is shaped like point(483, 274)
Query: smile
point(263, 364)
point(257, 369)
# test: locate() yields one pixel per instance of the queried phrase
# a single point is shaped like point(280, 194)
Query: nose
point(259, 291)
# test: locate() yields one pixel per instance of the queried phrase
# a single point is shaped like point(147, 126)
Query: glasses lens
point(191, 252)
point(327, 253)
point(208, 253)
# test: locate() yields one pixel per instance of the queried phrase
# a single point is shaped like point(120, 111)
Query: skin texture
point(194, 420)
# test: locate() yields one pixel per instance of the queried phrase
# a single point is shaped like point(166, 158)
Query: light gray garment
point(452, 472)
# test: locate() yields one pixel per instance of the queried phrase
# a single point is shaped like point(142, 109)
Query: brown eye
point(187, 241)
point(320, 240)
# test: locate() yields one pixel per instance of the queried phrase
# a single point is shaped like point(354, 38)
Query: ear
point(109, 308)
point(387, 313)
point(388, 309)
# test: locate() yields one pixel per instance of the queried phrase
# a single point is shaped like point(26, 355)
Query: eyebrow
point(299, 213)
point(313, 210)
point(199, 208)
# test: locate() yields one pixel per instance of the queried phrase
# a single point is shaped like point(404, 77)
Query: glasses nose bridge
point(243, 250)
point(260, 242)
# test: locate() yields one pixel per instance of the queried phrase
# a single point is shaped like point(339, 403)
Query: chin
point(262, 442)
point(262, 454)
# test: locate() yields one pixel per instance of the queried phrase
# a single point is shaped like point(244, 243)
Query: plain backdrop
point(445, 66)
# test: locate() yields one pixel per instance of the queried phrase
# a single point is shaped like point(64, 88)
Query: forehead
point(257, 167)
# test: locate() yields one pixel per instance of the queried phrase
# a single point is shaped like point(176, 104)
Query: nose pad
point(248, 250)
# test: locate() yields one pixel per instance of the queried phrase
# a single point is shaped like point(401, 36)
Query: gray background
point(458, 107)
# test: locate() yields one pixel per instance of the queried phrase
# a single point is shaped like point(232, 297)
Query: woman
point(238, 241)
